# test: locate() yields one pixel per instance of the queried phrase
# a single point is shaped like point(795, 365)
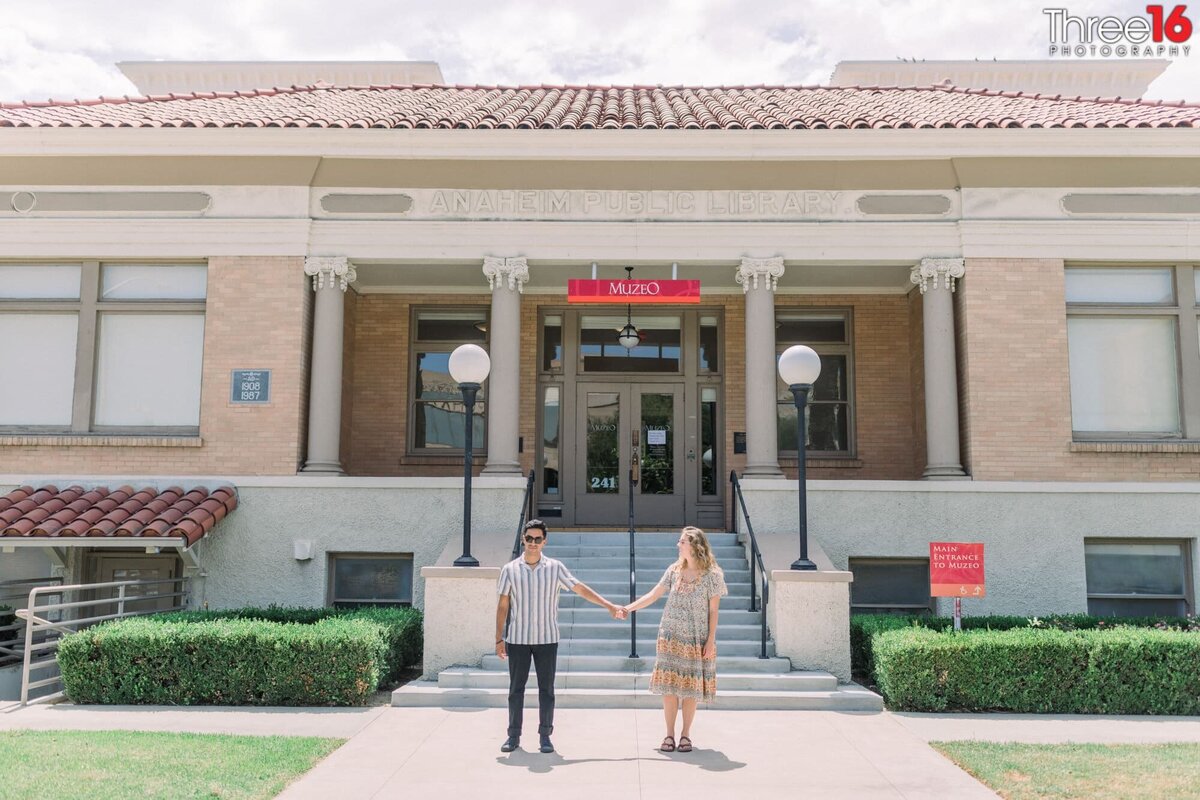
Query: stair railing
point(526, 513)
point(739, 504)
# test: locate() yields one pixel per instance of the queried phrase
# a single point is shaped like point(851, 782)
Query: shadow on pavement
point(709, 760)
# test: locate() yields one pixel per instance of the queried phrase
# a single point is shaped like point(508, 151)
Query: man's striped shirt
point(533, 599)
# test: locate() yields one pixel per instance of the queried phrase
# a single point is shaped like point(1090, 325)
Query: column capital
point(751, 269)
point(323, 268)
point(514, 271)
point(950, 270)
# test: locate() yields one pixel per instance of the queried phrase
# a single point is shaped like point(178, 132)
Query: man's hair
point(537, 523)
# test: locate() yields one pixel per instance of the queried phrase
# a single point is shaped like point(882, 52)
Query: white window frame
point(89, 306)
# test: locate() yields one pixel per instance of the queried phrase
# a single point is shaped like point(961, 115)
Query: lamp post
point(469, 367)
point(799, 366)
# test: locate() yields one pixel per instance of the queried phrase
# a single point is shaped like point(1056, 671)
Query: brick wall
point(1016, 387)
point(254, 320)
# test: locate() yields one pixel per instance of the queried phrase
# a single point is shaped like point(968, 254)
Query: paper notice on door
point(656, 437)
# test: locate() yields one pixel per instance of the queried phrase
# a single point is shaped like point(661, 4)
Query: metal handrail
point(37, 621)
point(526, 512)
point(756, 555)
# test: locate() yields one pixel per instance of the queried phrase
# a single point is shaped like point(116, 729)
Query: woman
point(685, 670)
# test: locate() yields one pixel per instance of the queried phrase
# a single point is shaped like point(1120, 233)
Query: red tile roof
point(124, 511)
point(582, 107)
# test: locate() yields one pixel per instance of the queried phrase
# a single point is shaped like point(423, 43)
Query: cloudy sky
point(67, 48)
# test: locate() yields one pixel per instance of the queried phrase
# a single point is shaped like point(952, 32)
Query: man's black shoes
point(510, 744)
point(546, 747)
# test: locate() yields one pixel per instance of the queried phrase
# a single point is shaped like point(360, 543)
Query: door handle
point(691, 456)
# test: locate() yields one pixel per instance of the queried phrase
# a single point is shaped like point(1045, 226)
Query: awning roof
point(101, 516)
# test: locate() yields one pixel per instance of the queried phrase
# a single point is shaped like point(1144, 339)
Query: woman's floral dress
point(680, 669)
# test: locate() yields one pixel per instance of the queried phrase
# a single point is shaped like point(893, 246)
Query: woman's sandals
point(668, 745)
point(685, 744)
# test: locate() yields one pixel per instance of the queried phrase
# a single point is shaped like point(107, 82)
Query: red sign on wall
point(956, 569)
point(629, 291)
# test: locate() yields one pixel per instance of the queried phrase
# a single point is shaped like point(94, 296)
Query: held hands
point(617, 612)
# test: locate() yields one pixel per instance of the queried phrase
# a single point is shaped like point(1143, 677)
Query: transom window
point(1135, 578)
point(1134, 349)
point(437, 412)
point(829, 413)
point(106, 348)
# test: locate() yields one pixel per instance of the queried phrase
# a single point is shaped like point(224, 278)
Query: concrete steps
point(594, 668)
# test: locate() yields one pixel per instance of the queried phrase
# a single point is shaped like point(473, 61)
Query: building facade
point(262, 289)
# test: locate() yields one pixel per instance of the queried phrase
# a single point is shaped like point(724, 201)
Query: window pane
point(441, 424)
point(709, 357)
point(552, 344)
point(1123, 374)
point(1196, 278)
point(658, 351)
point(433, 381)
point(896, 583)
point(1150, 568)
point(1120, 607)
point(153, 282)
point(806, 329)
point(37, 353)
point(551, 407)
point(658, 443)
point(603, 443)
point(385, 580)
point(148, 369)
point(452, 326)
point(708, 441)
point(39, 282)
point(828, 427)
point(832, 384)
point(1098, 285)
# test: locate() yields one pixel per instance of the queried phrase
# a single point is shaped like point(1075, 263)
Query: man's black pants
point(545, 660)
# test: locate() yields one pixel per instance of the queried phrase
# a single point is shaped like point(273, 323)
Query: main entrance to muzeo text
point(600, 402)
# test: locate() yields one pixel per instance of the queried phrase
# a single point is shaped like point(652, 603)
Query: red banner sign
point(623, 291)
point(956, 569)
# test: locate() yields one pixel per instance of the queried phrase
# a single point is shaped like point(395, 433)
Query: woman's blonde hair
point(701, 549)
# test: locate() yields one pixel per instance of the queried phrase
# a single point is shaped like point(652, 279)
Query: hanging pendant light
point(629, 337)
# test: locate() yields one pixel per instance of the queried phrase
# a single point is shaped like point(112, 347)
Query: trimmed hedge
point(224, 662)
point(863, 627)
point(403, 627)
point(1120, 671)
point(248, 656)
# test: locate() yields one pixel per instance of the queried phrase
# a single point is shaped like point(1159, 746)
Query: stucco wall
point(1033, 533)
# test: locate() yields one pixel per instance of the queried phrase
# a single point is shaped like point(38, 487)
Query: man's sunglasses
point(534, 539)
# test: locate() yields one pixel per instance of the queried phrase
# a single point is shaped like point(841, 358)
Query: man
point(528, 588)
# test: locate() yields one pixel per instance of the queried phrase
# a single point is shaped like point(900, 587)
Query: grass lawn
point(104, 765)
point(1091, 771)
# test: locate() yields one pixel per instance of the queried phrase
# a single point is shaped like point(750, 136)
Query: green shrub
point(335, 661)
point(403, 627)
point(863, 627)
point(1126, 670)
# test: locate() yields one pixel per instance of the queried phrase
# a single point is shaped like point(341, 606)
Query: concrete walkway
point(394, 752)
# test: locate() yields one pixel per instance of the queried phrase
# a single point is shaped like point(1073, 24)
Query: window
point(357, 579)
point(1137, 578)
point(1134, 352)
point(659, 349)
point(106, 348)
point(829, 413)
point(437, 422)
point(890, 586)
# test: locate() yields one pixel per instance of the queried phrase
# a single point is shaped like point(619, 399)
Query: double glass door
point(616, 421)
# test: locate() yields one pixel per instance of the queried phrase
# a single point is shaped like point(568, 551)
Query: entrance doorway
point(616, 420)
point(601, 402)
